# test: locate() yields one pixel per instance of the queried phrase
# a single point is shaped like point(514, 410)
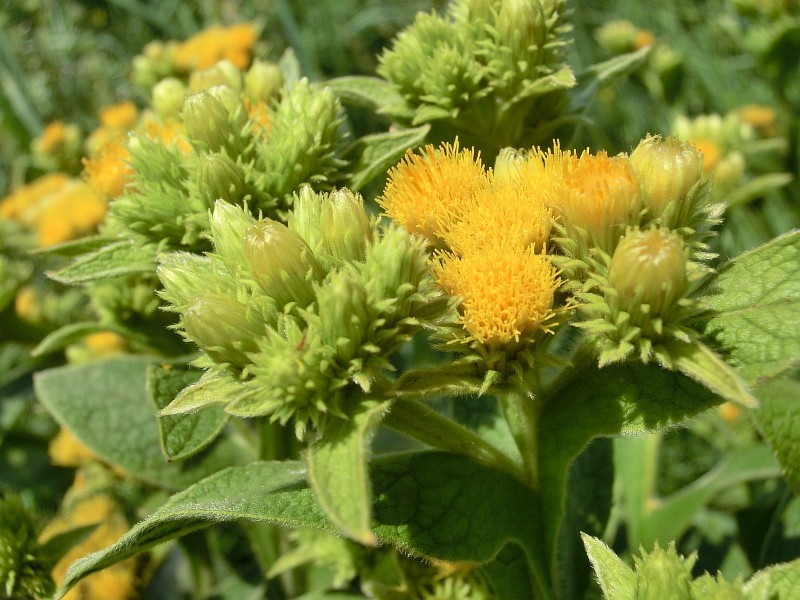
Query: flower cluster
point(297, 321)
point(624, 234)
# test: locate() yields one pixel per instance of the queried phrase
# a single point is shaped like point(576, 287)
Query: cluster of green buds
point(634, 264)
point(492, 69)
point(24, 564)
point(297, 321)
point(231, 143)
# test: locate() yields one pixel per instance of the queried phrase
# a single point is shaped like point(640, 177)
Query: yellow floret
point(121, 117)
point(207, 48)
point(105, 343)
point(52, 137)
point(505, 295)
point(423, 191)
point(108, 170)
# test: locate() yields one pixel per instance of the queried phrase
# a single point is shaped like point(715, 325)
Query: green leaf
point(338, 472)
point(615, 400)
point(606, 72)
point(216, 387)
point(57, 546)
point(114, 260)
point(777, 582)
point(617, 580)
point(372, 93)
point(509, 574)
point(703, 365)
point(107, 406)
point(778, 420)
point(76, 247)
point(588, 505)
point(184, 435)
point(72, 333)
point(376, 153)
point(433, 504)
point(562, 79)
point(757, 188)
point(755, 301)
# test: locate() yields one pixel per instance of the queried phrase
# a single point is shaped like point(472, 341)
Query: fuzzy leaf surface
point(114, 260)
point(182, 436)
point(107, 406)
point(370, 92)
point(775, 582)
point(756, 304)
point(338, 470)
point(616, 579)
point(432, 504)
point(377, 152)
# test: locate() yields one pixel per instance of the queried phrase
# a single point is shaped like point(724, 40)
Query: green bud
point(263, 81)
point(292, 379)
point(223, 73)
point(649, 272)
point(281, 262)
point(222, 327)
point(344, 314)
point(668, 169)
point(24, 570)
point(185, 276)
point(663, 575)
point(229, 225)
point(334, 225)
point(522, 26)
point(214, 120)
point(617, 36)
point(168, 97)
point(220, 178)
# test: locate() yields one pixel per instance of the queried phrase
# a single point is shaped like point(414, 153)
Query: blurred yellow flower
point(52, 137)
point(505, 294)
point(760, 117)
point(108, 170)
point(259, 115)
point(204, 50)
point(711, 153)
point(105, 343)
point(121, 116)
point(66, 450)
point(423, 190)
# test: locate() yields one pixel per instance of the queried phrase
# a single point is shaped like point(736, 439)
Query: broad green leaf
point(182, 436)
point(75, 247)
point(72, 333)
point(509, 574)
point(376, 153)
point(372, 93)
point(757, 188)
point(755, 301)
point(432, 504)
point(615, 400)
point(778, 419)
point(777, 582)
point(617, 580)
point(600, 74)
point(588, 505)
point(114, 260)
point(562, 79)
point(338, 470)
point(107, 406)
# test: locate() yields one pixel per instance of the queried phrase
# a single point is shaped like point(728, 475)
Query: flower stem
point(419, 422)
point(522, 414)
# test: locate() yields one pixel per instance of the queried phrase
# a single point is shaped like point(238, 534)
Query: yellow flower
point(66, 450)
point(27, 304)
point(259, 116)
point(643, 37)
point(168, 133)
point(108, 170)
point(121, 116)
point(423, 190)
point(73, 212)
point(52, 138)
point(511, 212)
point(711, 153)
point(505, 295)
point(24, 204)
point(118, 581)
point(105, 343)
point(216, 43)
point(596, 194)
point(759, 117)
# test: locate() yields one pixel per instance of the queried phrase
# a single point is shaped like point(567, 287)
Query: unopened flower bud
point(334, 225)
point(223, 73)
point(281, 262)
point(229, 225)
point(211, 122)
point(522, 26)
point(219, 178)
point(663, 575)
point(649, 268)
point(263, 81)
point(168, 96)
point(344, 313)
point(668, 169)
point(219, 325)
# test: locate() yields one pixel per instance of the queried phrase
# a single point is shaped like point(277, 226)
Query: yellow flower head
point(120, 117)
point(505, 295)
point(108, 171)
point(711, 153)
point(204, 50)
point(759, 117)
point(74, 212)
point(25, 203)
point(511, 212)
point(53, 137)
point(425, 189)
point(594, 193)
point(168, 133)
point(66, 450)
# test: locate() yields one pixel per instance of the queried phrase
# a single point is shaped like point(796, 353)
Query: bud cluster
point(301, 316)
point(483, 64)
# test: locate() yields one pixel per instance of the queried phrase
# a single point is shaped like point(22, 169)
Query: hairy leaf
point(114, 260)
